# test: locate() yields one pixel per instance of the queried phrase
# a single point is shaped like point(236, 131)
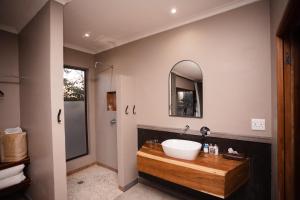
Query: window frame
point(85, 106)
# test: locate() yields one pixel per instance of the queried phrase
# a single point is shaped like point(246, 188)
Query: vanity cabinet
point(209, 174)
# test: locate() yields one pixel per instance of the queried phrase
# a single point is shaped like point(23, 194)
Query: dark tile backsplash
point(257, 188)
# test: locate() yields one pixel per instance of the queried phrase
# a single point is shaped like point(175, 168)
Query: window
point(75, 104)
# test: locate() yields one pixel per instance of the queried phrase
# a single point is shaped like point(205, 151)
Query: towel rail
point(9, 82)
point(10, 79)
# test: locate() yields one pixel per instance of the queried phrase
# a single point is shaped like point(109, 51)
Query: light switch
point(258, 124)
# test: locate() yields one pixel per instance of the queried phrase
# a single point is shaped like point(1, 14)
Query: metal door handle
point(58, 116)
point(126, 110)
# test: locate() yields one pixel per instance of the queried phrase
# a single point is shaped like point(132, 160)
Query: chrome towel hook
point(1, 93)
point(133, 110)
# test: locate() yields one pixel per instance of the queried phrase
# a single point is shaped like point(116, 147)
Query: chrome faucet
point(186, 128)
point(204, 131)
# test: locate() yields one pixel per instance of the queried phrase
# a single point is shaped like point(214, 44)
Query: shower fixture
point(106, 67)
point(103, 64)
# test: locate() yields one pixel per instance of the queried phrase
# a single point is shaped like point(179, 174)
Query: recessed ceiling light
point(86, 35)
point(173, 10)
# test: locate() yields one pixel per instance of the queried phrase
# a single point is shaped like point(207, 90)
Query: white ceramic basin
point(183, 149)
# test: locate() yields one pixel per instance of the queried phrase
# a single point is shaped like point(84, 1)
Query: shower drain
point(80, 182)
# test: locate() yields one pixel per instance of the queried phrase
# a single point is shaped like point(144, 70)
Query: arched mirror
point(186, 90)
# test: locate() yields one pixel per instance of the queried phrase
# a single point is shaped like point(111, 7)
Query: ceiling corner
point(8, 29)
point(63, 2)
point(78, 48)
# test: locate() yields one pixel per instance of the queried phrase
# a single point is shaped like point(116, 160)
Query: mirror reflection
point(186, 90)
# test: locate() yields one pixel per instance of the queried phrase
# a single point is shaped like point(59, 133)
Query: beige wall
point(106, 132)
point(41, 92)
point(233, 50)
point(9, 65)
point(126, 132)
point(56, 86)
point(85, 61)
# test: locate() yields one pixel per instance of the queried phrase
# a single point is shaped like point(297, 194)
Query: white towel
point(12, 171)
point(13, 180)
point(13, 130)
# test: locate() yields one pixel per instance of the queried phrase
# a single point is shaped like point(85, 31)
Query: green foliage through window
point(74, 85)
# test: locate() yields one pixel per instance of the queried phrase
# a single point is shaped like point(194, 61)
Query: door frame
point(286, 121)
point(86, 109)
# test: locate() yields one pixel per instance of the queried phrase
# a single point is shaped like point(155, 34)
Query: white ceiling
point(15, 14)
point(112, 23)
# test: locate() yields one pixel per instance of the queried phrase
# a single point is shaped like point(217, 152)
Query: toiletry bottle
point(211, 149)
point(205, 148)
point(216, 150)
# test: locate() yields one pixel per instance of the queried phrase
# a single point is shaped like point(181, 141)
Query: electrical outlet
point(258, 124)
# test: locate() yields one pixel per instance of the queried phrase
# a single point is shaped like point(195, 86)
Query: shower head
point(102, 64)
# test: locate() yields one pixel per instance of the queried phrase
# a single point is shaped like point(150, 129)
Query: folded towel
point(12, 171)
point(13, 130)
point(13, 180)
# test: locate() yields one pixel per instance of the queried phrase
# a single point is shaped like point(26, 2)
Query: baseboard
point(80, 168)
point(128, 186)
point(107, 167)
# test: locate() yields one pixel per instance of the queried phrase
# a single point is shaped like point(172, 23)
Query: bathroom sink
point(183, 149)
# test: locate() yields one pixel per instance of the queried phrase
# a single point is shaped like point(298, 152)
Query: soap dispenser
point(211, 149)
point(216, 149)
point(205, 148)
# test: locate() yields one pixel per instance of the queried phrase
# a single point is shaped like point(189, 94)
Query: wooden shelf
point(209, 174)
point(14, 188)
point(5, 165)
point(20, 186)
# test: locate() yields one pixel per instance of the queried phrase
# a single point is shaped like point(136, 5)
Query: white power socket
point(258, 124)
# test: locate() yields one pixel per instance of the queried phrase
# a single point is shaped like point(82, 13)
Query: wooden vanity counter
point(210, 174)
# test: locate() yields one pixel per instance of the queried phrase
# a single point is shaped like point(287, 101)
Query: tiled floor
point(93, 183)
point(143, 192)
point(98, 183)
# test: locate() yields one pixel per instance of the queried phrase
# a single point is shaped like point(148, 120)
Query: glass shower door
point(75, 112)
